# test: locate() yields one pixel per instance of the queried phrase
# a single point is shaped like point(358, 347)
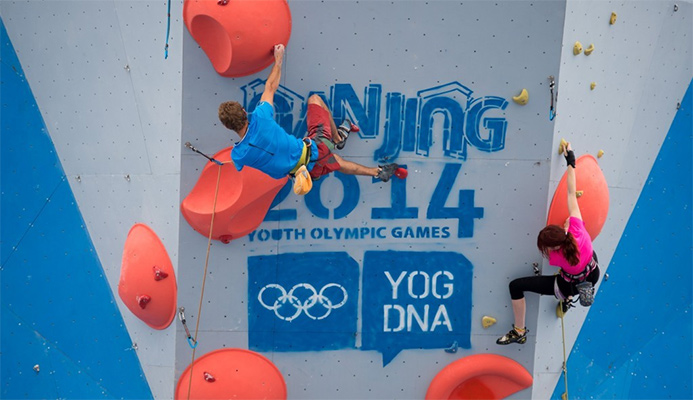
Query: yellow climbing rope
point(565, 361)
point(204, 279)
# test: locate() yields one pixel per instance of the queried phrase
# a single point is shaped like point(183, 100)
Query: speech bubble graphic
point(415, 300)
point(302, 301)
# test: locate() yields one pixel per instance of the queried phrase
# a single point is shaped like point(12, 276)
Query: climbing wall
point(411, 266)
point(111, 105)
point(641, 66)
point(400, 273)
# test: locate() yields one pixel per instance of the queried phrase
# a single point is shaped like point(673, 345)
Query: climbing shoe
point(513, 337)
point(586, 290)
point(386, 171)
point(344, 130)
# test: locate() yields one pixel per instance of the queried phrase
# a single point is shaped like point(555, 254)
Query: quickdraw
point(554, 98)
point(181, 315)
point(168, 30)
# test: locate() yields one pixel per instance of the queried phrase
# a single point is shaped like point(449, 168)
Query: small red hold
point(159, 274)
point(143, 300)
point(222, 2)
point(209, 377)
point(226, 239)
point(401, 173)
point(354, 128)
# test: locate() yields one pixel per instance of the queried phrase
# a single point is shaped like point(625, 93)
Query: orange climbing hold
point(242, 202)
point(231, 374)
point(147, 283)
point(238, 35)
point(594, 202)
point(479, 376)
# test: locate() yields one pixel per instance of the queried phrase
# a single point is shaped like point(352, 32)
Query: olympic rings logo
point(291, 301)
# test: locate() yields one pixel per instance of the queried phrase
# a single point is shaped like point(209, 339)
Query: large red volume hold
point(479, 376)
point(242, 202)
point(147, 283)
point(238, 35)
point(231, 374)
point(593, 201)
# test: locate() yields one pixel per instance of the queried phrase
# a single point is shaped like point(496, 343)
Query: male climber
point(264, 145)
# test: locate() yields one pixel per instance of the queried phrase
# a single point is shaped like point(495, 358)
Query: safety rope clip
point(191, 147)
point(181, 315)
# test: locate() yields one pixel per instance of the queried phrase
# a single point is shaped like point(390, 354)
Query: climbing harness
point(168, 30)
point(191, 147)
point(554, 98)
point(181, 315)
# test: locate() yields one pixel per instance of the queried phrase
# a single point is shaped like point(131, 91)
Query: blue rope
point(168, 30)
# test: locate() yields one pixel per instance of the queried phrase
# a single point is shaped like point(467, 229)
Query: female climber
point(568, 247)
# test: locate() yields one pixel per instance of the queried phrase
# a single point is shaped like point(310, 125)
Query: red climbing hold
point(242, 202)
point(479, 376)
point(143, 300)
point(594, 201)
point(152, 300)
point(159, 274)
point(236, 373)
point(209, 377)
point(238, 35)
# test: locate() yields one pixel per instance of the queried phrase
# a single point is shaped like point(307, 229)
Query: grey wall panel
point(111, 104)
point(108, 121)
point(641, 66)
point(412, 49)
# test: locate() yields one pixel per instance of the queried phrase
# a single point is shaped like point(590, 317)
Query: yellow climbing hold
point(562, 146)
point(577, 48)
point(522, 98)
point(589, 50)
point(487, 321)
point(600, 153)
point(579, 193)
point(593, 85)
point(612, 20)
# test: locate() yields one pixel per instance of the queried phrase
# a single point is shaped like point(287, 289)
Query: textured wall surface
point(641, 66)
point(646, 302)
point(111, 105)
point(62, 334)
point(474, 198)
point(408, 267)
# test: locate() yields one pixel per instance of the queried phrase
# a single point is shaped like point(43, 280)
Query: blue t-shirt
point(266, 146)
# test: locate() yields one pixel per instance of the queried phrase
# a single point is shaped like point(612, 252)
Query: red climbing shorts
point(320, 131)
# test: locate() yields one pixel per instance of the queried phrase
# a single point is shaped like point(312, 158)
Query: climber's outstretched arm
point(275, 75)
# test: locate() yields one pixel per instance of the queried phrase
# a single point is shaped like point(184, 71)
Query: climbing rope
point(565, 361)
point(168, 30)
point(204, 280)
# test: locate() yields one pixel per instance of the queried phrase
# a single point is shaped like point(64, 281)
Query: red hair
point(555, 236)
